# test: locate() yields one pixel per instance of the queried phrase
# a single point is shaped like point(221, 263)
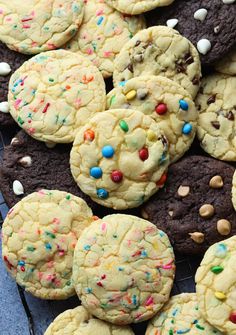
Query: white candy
point(172, 23)
point(228, 2)
point(5, 69)
point(204, 46)
point(25, 161)
point(14, 141)
point(18, 188)
point(4, 107)
point(200, 14)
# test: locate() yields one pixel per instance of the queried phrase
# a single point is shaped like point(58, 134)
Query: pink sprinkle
point(61, 253)
point(34, 44)
point(104, 227)
point(17, 103)
point(26, 26)
point(118, 31)
point(107, 53)
point(129, 243)
point(99, 12)
point(78, 102)
point(41, 192)
point(138, 316)
point(56, 221)
point(49, 277)
point(150, 230)
point(31, 130)
point(103, 277)
point(10, 211)
point(167, 266)
point(51, 46)
point(46, 108)
point(89, 51)
point(27, 19)
point(8, 19)
point(149, 301)
point(40, 275)
point(1, 11)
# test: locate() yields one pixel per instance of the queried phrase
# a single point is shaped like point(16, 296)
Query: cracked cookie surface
point(123, 269)
point(54, 93)
point(103, 33)
point(120, 158)
point(33, 26)
point(79, 321)
point(160, 51)
point(216, 103)
point(162, 99)
point(39, 236)
point(216, 286)
point(137, 6)
point(180, 316)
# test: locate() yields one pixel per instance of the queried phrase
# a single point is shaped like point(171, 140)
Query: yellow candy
point(151, 135)
point(220, 295)
point(131, 95)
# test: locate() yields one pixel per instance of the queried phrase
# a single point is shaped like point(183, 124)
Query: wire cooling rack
point(22, 314)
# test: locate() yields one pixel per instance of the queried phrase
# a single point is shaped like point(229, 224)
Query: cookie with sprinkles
point(180, 316)
point(54, 93)
point(159, 51)
point(166, 102)
point(39, 236)
point(227, 64)
point(216, 286)
point(120, 158)
point(80, 321)
point(137, 6)
point(9, 62)
point(103, 33)
point(209, 24)
point(29, 165)
point(216, 103)
point(33, 26)
point(194, 208)
point(123, 269)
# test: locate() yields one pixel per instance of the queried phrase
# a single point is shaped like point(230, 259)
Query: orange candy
point(89, 135)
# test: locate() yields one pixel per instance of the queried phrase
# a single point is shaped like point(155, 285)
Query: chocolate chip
point(180, 67)
point(212, 99)
point(142, 93)
point(137, 43)
point(215, 124)
point(130, 68)
point(188, 58)
point(196, 81)
point(230, 116)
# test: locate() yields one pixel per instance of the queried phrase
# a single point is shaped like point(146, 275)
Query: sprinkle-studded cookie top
point(54, 93)
point(39, 237)
point(215, 285)
point(159, 51)
point(209, 24)
point(180, 316)
point(120, 158)
point(216, 103)
point(166, 102)
point(103, 33)
point(79, 321)
point(33, 26)
point(137, 6)
point(123, 269)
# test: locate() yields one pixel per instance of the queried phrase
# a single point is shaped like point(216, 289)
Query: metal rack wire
point(184, 280)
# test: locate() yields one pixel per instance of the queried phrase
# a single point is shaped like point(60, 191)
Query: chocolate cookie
point(28, 166)
point(194, 208)
point(209, 24)
point(15, 60)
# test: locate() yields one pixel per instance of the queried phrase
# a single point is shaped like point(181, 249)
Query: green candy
point(217, 269)
point(124, 126)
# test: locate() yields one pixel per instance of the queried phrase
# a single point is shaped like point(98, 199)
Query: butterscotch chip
point(206, 211)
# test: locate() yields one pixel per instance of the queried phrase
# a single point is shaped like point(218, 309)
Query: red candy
point(143, 154)
point(161, 109)
point(116, 176)
point(162, 180)
point(89, 135)
point(233, 317)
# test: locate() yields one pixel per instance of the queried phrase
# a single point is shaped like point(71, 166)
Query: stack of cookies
point(90, 147)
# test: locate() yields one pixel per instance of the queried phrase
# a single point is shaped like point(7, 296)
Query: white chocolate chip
point(206, 211)
point(200, 14)
point(216, 29)
point(216, 182)
point(25, 161)
point(18, 188)
point(4, 107)
point(50, 145)
point(228, 2)
point(171, 213)
point(14, 141)
point(204, 46)
point(172, 23)
point(5, 69)
point(223, 227)
point(183, 191)
point(197, 237)
point(144, 214)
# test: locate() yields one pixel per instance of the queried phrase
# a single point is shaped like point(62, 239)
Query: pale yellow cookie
point(137, 6)
point(166, 102)
point(123, 269)
point(79, 321)
point(159, 50)
point(39, 236)
point(180, 316)
point(234, 190)
point(120, 158)
point(103, 33)
point(54, 93)
point(216, 129)
point(33, 26)
point(228, 64)
point(216, 286)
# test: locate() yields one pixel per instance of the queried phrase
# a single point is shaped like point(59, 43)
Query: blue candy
point(183, 105)
point(187, 128)
point(102, 193)
point(96, 172)
point(108, 151)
